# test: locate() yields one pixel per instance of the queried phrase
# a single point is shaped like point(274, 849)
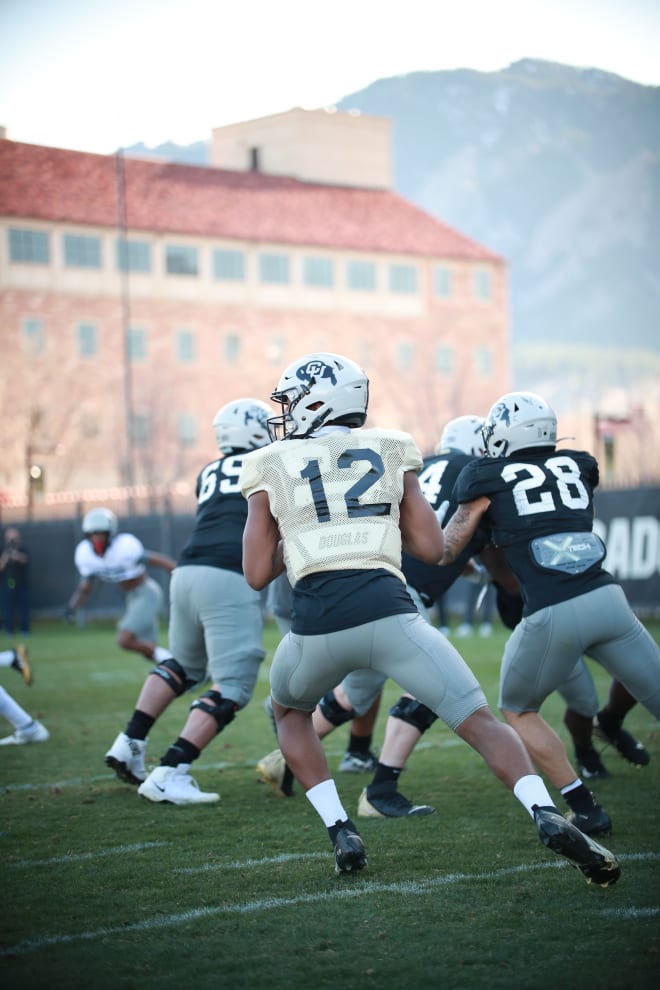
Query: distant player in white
point(334, 504)
point(120, 558)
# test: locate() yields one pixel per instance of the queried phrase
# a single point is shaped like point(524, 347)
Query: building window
point(442, 282)
point(89, 426)
point(29, 245)
point(403, 279)
point(275, 350)
point(185, 346)
point(136, 344)
point(229, 265)
point(87, 340)
point(481, 283)
point(405, 356)
point(274, 268)
point(361, 275)
point(140, 429)
point(81, 251)
point(444, 360)
point(231, 348)
point(187, 429)
point(34, 336)
point(133, 256)
point(483, 360)
point(318, 272)
point(181, 260)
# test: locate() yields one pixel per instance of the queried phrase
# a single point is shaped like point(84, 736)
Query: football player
point(120, 558)
point(216, 623)
point(537, 502)
point(334, 504)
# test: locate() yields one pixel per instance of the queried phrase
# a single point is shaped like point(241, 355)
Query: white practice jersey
point(335, 497)
point(124, 559)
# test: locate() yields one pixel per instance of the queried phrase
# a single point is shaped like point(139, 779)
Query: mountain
point(556, 168)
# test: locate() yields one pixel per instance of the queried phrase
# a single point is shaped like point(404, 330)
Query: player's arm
point(159, 560)
point(263, 558)
point(421, 535)
point(80, 595)
point(461, 528)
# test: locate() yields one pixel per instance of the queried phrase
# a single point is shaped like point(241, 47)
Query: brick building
point(137, 296)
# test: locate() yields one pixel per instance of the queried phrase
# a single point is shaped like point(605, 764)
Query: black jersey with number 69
point(217, 539)
point(541, 514)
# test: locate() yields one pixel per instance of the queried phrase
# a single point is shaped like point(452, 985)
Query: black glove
point(69, 614)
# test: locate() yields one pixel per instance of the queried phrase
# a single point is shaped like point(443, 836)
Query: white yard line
point(361, 889)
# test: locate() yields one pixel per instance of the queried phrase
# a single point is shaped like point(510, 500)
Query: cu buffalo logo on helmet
point(315, 371)
point(255, 414)
point(501, 413)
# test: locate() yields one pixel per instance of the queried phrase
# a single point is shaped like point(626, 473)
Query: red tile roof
point(52, 184)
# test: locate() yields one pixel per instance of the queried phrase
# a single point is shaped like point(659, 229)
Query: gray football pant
point(406, 648)
point(544, 647)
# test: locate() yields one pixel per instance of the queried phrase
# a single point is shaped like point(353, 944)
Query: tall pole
point(125, 317)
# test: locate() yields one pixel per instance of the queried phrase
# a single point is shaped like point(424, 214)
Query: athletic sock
point(386, 778)
point(181, 751)
point(359, 744)
point(579, 799)
point(139, 725)
point(609, 723)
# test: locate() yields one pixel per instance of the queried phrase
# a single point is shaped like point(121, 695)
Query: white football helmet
point(464, 434)
point(242, 425)
point(519, 420)
point(100, 521)
point(318, 388)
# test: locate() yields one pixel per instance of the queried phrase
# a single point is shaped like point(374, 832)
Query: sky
point(93, 75)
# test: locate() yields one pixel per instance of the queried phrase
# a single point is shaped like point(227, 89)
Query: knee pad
point(332, 710)
point(414, 713)
point(222, 709)
point(166, 668)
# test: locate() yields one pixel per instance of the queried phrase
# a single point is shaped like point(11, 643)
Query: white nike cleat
point(174, 785)
point(126, 757)
point(33, 733)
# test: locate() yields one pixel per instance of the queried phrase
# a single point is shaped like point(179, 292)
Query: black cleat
point(596, 821)
point(389, 804)
point(349, 849)
point(630, 748)
point(596, 863)
point(590, 765)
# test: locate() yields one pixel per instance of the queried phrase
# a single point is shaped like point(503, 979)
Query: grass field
point(101, 889)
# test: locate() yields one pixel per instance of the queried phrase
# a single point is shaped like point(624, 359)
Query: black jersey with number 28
point(541, 514)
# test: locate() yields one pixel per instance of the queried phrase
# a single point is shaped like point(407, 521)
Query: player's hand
point(69, 614)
